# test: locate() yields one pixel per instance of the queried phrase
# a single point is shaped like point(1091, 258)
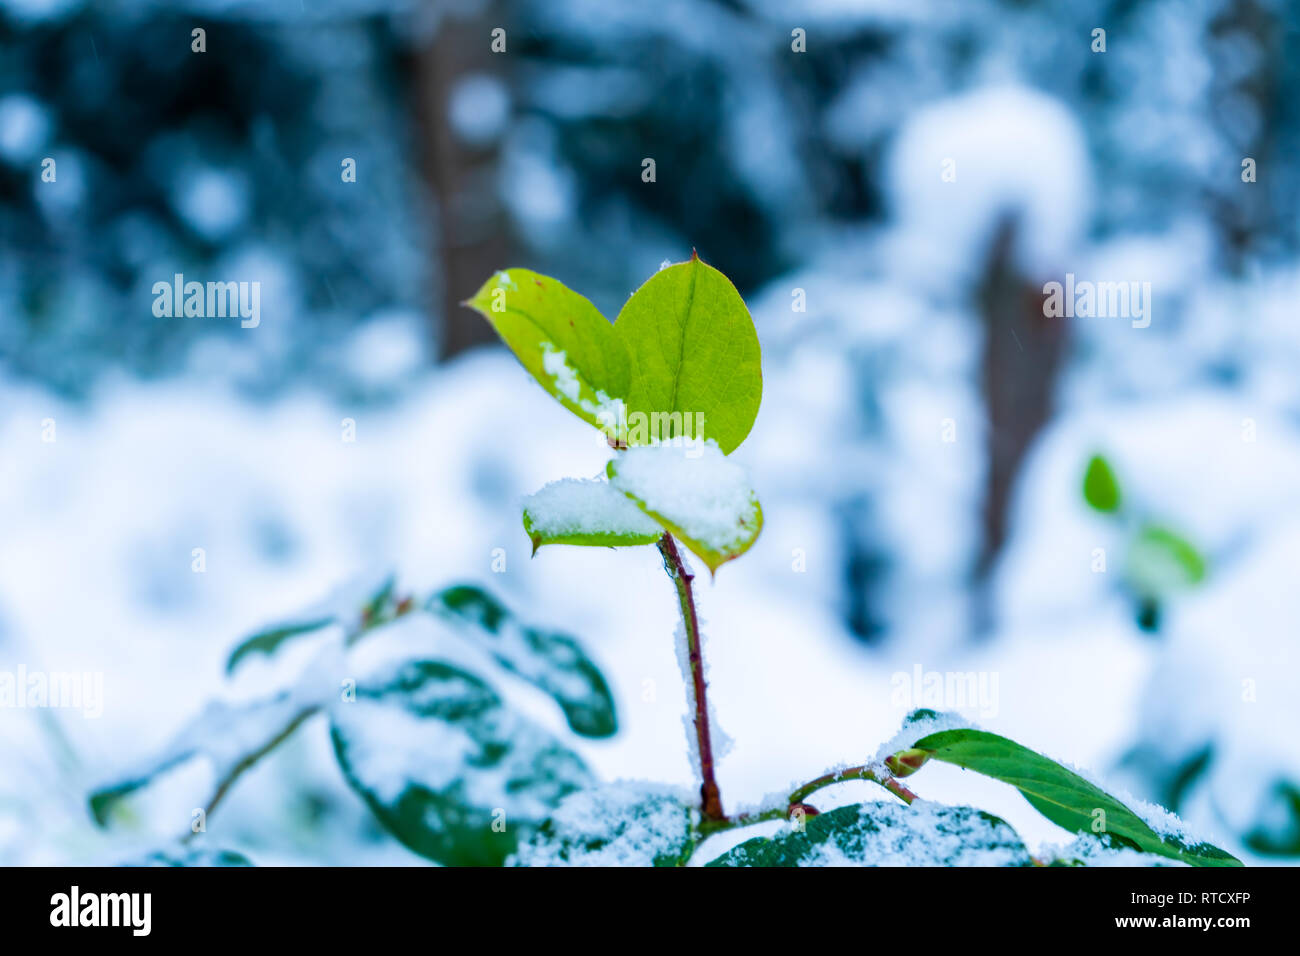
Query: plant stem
point(710, 797)
point(863, 772)
point(223, 786)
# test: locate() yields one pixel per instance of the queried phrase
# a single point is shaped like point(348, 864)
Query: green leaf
point(573, 511)
point(1100, 486)
point(268, 642)
point(446, 767)
point(1161, 560)
point(561, 338)
point(358, 606)
point(888, 834)
point(619, 824)
point(1063, 796)
point(694, 351)
point(191, 856)
point(695, 492)
point(1276, 831)
point(555, 663)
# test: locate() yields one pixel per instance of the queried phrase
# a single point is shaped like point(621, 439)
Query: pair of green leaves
point(676, 380)
point(684, 344)
point(1160, 560)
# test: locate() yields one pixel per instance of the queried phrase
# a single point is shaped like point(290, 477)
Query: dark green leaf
point(268, 642)
point(446, 768)
point(191, 856)
point(553, 662)
point(888, 834)
point(1277, 832)
point(614, 825)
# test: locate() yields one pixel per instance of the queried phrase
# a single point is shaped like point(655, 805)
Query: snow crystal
point(697, 488)
point(607, 411)
point(575, 506)
point(556, 364)
point(683, 650)
point(621, 824)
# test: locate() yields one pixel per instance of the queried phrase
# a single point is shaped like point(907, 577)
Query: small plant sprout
point(446, 763)
point(1159, 561)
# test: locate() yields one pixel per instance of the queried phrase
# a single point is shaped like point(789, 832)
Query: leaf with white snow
point(694, 491)
point(448, 769)
point(574, 511)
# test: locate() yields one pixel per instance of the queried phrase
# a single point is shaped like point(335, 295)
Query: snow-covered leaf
point(1067, 799)
point(1100, 486)
point(190, 856)
point(695, 492)
point(553, 662)
point(887, 834)
point(446, 767)
point(620, 824)
point(562, 339)
point(230, 736)
point(694, 351)
point(574, 511)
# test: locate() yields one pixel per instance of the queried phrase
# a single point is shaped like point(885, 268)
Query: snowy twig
point(711, 798)
point(863, 772)
point(224, 785)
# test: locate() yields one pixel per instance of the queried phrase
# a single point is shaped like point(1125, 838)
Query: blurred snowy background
point(924, 431)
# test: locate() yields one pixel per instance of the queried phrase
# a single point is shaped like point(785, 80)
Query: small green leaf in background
point(1160, 560)
point(357, 606)
point(1277, 828)
point(888, 834)
point(574, 511)
point(1064, 797)
point(1100, 486)
point(695, 492)
point(437, 757)
point(555, 663)
point(694, 351)
point(620, 824)
point(562, 339)
point(191, 856)
point(269, 641)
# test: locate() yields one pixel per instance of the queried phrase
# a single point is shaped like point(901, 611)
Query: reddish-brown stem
point(863, 772)
point(710, 797)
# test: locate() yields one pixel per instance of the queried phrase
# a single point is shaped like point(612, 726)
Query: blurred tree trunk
point(473, 238)
point(1022, 356)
